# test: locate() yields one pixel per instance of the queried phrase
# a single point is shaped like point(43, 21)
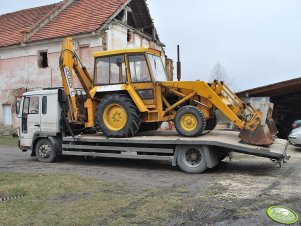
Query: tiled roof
point(12, 24)
point(81, 16)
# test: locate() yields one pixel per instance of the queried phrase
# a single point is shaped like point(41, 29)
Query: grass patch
point(9, 141)
point(66, 199)
point(231, 205)
point(150, 209)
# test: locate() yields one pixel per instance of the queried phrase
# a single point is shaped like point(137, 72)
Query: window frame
point(44, 105)
point(41, 55)
point(164, 69)
point(146, 98)
point(10, 122)
point(29, 104)
point(25, 99)
point(148, 66)
point(96, 83)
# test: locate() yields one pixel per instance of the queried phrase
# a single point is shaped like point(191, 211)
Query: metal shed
point(286, 97)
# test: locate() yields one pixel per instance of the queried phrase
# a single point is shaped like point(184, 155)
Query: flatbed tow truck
point(40, 132)
point(128, 95)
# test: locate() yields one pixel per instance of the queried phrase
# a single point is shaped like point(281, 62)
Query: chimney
point(24, 36)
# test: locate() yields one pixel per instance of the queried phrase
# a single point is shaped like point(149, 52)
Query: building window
point(7, 116)
point(129, 36)
point(42, 59)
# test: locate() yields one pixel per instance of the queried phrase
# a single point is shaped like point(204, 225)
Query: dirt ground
point(233, 193)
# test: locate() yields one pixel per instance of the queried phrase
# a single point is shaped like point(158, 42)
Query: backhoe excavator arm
point(70, 63)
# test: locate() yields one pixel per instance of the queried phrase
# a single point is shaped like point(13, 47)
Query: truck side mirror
point(17, 107)
point(62, 98)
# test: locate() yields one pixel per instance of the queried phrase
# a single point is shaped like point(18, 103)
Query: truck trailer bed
point(157, 143)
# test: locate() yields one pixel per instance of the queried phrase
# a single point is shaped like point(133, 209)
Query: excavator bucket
point(259, 131)
point(260, 136)
point(270, 122)
point(272, 126)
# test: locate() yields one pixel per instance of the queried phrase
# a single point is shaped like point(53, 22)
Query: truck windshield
point(157, 68)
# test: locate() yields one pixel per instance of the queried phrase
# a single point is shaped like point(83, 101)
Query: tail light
point(294, 125)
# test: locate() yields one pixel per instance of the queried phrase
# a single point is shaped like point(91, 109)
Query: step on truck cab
point(43, 131)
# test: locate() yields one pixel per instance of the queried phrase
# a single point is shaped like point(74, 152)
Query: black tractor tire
point(198, 122)
point(211, 123)
point(192, 159)
point(123, 101)
point(45, 151)
point(149, 126)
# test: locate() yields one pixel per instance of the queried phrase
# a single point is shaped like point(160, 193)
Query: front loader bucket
point(261, 129)
point(272, 126)
point(258, 136)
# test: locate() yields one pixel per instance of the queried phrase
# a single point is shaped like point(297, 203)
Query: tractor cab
point(140, 65)
point(136, 71)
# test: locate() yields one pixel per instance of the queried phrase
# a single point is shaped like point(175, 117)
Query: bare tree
point(218, 73)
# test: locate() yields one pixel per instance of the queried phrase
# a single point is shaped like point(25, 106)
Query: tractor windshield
point(157, 68)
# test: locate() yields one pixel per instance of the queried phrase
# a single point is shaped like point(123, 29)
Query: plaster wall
point(19, 70)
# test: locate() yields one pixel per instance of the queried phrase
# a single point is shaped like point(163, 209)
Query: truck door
point(30, 120)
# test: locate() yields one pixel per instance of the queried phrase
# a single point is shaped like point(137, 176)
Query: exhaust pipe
point(179, 73)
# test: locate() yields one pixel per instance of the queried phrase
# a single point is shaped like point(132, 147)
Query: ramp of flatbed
point(218, 138)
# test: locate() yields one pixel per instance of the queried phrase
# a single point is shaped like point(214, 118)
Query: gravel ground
point(233, 193)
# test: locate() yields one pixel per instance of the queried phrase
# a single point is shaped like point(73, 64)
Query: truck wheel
point(211, 123)
point(45, 151)
point(192, 159)
point(117, 116)
point(189, 121)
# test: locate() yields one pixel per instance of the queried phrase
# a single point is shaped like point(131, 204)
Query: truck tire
point(190, 121)
point(211, 123)
point(118, 116)
point(191, 159)
point(45, 151)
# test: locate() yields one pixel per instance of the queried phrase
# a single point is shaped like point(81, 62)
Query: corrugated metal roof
point(275, 89)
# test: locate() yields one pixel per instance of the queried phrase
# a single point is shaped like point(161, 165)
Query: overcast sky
point(258, 42)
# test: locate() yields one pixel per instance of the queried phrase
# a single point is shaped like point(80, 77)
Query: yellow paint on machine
point(156, 101)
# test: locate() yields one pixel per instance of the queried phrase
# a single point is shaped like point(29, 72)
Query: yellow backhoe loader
point(129, 93)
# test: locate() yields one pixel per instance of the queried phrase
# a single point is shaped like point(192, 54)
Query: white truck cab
point(38, 114)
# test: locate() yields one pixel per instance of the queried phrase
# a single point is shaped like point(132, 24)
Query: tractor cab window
point(157, 68)
point(139, 69)
point(110, 70)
